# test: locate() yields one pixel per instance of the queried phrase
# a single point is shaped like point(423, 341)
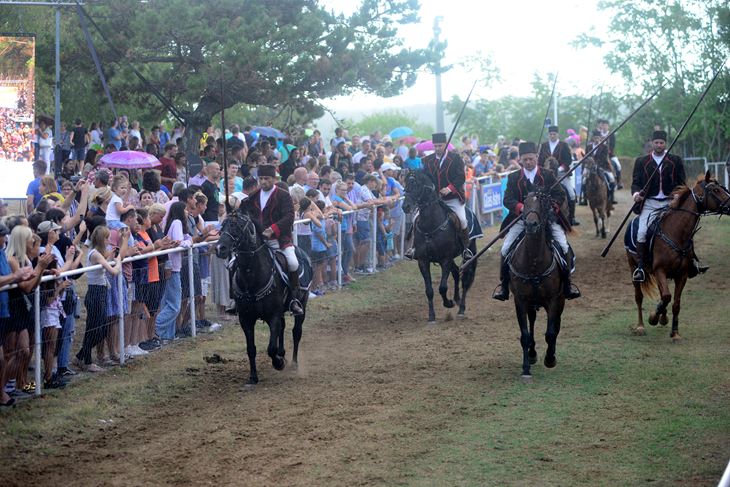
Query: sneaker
point(140, 351)
point(370, 270)
point(312, 295)
point(215, 327)
point(93, 368)
point(395, 257)
point(151, 344)
point(67, 372)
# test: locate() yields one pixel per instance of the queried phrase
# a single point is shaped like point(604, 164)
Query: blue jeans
point(346, 253)
point(67, 334)
point(169, 308)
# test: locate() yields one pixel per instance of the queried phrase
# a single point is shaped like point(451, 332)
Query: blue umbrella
point(399, 132)
point(269, 132)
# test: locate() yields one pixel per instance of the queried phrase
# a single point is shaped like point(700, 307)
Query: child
point(116, 207)
point(383, 233)
point(319, 243)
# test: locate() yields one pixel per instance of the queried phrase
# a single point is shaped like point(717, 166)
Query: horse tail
point(649, 287)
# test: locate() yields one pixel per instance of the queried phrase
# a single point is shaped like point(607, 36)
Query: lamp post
point(437, 72)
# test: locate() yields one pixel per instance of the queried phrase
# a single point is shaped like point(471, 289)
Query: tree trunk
point(196, 124)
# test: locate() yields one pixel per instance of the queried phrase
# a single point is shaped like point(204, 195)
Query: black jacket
point(672, 175)
point(561, 153)
point(518, 187)
point(449, 175)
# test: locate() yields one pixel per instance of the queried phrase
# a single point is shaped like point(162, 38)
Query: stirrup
point(467, 254)
point(638, 275)
point(408, 254)
point(296, 307)
point(501, 293)
point(573, 292)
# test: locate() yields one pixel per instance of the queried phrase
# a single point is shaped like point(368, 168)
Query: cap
point(438, 138)
point(659, 134)
point(267, 170)
point(4, 230)
point(553, 128)
point(47, 226)
point(389, 166)
point(528, 148)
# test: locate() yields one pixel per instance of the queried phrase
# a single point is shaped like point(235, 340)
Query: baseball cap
point(47, 226)
point(388, 166)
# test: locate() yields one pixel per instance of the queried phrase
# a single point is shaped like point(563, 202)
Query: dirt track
point(372, 393)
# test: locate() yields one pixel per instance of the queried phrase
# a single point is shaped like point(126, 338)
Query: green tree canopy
point(386, 121)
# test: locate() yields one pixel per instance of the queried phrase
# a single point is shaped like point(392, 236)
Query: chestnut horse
point(596, 191)
point(536, 282)
point(672, 252)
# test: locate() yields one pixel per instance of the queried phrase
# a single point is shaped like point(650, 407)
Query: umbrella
point(399, 132)
point(428, 145)
point(129, 159)
point(45, 118)
point(409, 139)
point(269, 132)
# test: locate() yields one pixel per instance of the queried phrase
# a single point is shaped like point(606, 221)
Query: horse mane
point(679, 195)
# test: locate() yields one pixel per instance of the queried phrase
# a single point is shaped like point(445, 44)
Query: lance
point(547, 111)
point(225, 158)
point(504, 231)
point(608, 136)
point(456, 123)
point(656, 169)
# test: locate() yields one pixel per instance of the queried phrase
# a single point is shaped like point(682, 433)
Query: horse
point(596, 190)
point(259, 290)
point(672, 251)
point(436, 240)
point(536, 281)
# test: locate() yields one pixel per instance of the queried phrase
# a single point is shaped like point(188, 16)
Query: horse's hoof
point(279, 363)
point(663, 320)
point(653, 319)
point(431, 322)
point(526, 379)
point(676, 338)
point(448, 304)
point(638, 331)
point(550, 362)
point(461, 314)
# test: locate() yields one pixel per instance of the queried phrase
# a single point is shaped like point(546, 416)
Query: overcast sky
point(523, 36)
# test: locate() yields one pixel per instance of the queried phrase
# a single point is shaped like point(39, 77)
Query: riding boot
point(502, 291)
point(571, 210)
point(582, 199)
point(570, 290)
point(696, 268)
point(618, 180)
point(467, 254)
point(639, 275)
point(295, 306)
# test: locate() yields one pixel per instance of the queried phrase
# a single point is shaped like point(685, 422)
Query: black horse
point(536, 280)
point(436, 240)
point(258, 289)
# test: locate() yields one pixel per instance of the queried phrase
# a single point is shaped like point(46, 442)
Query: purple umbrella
point(129, 159)
point(428, 145)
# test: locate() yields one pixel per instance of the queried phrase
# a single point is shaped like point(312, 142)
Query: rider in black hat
point(554, 147)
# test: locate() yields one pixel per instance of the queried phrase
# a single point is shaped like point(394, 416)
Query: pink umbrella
point(129, 159)
point(409, 139)
point(428, 145)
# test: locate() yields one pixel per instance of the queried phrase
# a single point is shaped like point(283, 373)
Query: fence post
point(373, 239)
point(339, 254)
point(38, 340)
point(191, 290)
point(122, 309)
point(402, 235)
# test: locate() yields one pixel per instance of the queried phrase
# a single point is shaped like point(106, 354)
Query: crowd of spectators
point(347, 194)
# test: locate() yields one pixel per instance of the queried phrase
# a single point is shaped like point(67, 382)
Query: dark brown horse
point(535, 281)
point(596, 190)
point(673, 253)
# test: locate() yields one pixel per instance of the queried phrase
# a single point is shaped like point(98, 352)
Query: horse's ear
point(708, 176)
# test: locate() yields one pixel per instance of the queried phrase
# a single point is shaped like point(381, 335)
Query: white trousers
point(616, 163)
point(514, 232)
point(648, 215)
point(460, 209)
point(568, 183)
point(291, 257)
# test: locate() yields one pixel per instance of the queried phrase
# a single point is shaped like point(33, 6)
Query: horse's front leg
point(248, 324)
point(425, 268)
point(676, 305)
point(553, 330)
point(525, 338)
point(297, 337)
point(595, 220)
point(660, 315)
point(444, 283)
point(457, 279)
point(275, 335)
point(531, 316)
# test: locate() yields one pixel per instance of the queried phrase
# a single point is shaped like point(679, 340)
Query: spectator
point(413, 162)
point(45, 143)
point(168, 170)
point(114, 135)
point(151, 183)
point(33, 193)
point(116, 207)
point(181, 167)
point(49, 189)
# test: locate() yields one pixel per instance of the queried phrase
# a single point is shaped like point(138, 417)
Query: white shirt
point(553, 145)
point(111, 211)
point(658, 160)
point(530, 174)
point(264, 197)
point(357, 157)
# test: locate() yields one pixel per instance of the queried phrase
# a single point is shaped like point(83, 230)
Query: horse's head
point(537, 212)
point(238, 235)
point(589, 166)
point(711, 196)
point(419, 190)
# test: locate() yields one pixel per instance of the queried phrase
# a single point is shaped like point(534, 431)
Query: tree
point(279, 53)
point(682, 43)
point(386, 121)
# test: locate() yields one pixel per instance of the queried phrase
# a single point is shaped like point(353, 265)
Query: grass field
point(382, 398)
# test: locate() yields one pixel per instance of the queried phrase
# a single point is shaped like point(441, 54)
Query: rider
point(604, 165)
point(560, 150)
point(447, 171)
point(602, 126)
point(273, 208)
point(657, 196)
point(519, 185)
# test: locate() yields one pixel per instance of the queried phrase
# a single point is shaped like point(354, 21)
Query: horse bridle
point(249, 227)
point(267, 288)
point(723, 209)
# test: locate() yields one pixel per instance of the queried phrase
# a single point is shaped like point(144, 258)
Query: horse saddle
point(631, 235)
point(557, 252)
point(305, 267)
point(472, 222)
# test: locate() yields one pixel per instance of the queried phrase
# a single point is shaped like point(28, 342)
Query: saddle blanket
point(632, 231)
point(475, 228)
point(305, 267)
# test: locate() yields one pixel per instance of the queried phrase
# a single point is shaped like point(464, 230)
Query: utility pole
point(57, 85)
point(555, 109)
point(437, 72)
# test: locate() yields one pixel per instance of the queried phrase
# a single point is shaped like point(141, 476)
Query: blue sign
point(491, 197)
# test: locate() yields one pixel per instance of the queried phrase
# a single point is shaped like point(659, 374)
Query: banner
point(491, 197)
point(17, 97)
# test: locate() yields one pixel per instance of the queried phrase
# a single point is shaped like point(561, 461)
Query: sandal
point(29, 387)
